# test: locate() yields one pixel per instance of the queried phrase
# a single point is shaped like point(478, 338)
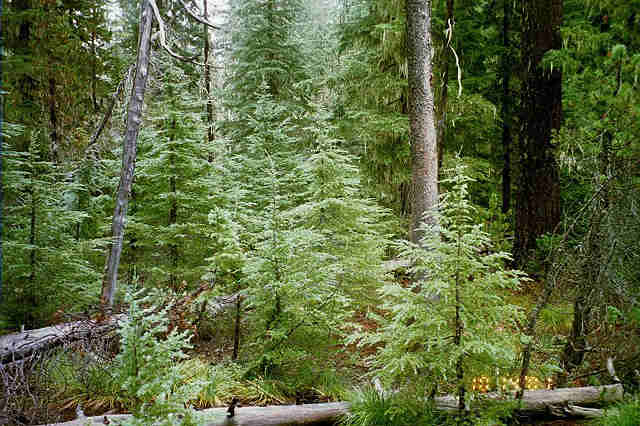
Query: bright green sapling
point(453, 318)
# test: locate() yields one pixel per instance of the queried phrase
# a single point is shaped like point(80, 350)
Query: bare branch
point(163, 35)
point(114, 99)
point(163, 38)
point(204, 20)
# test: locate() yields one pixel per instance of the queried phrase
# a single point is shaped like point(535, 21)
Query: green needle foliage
point(168, 230)
point(45, 267)
point(458, 274)
point(148, 364)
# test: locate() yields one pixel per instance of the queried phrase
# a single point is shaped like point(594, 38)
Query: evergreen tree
point(172, 187)
point(371, 110)
point(46, 267)
point(471, 327)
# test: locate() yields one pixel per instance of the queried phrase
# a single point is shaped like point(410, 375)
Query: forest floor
point(335, 372)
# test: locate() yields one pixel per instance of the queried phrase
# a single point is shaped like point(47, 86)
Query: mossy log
point(566, 402)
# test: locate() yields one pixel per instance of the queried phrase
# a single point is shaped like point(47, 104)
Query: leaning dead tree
point(548, 403)
point(134, 118)
point(149, 11)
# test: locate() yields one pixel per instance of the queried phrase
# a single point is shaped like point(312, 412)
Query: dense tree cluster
point(293, 153)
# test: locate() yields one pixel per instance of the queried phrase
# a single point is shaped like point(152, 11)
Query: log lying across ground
point(16, 346)
point(564, 402)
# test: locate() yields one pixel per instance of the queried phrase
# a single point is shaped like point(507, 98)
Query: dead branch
point(204, 20)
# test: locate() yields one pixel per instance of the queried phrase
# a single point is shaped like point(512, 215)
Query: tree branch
point(109, 112)
point(163, 36)
point(204, 20)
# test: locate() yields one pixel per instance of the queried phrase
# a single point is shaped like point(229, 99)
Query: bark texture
point(554, 403)
point(134, 118)
point(16, 346)
point(422, 132)
point(538, 200)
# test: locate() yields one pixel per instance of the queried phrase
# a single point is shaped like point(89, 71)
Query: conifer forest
point(330, 212)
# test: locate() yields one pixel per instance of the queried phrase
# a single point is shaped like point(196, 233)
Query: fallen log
point(16, 346)
point(554, 403)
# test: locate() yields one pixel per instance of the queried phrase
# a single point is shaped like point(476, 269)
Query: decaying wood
point(134, 120)
point(557, 402)
point(16, 346)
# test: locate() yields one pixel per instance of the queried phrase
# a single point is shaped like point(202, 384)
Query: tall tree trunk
point(538, 200)
point(506, 108)
point(134, 118)
point(207, 79)
point(444, 96)
point(53, 121)
point(1, 168)
point(424, 155)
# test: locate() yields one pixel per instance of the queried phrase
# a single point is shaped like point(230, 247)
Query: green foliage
point(148, 368)
point(371, 408)
point(624, 414)
point(85, 379)
point(416, 333)
point(46, 268)
point(167, 226)
point(371, 105)
point(265, 52)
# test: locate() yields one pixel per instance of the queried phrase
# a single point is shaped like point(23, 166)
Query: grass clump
point(372, 408)
point(624, 414)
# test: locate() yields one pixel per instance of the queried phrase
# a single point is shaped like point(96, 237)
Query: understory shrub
point(453, 319)
point(369, 407)
point(624, 414)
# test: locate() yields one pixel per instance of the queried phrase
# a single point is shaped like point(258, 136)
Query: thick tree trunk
point(538, 200)
point(16, 346)
point(506, 109)
point(1, 177)
point(134, 118)
point(424, 155)
point(550, 403)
